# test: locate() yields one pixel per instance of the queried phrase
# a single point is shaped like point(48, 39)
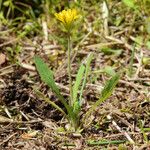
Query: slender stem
point(69, 70)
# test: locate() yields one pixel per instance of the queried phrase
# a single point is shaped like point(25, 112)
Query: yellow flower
point(67, 17)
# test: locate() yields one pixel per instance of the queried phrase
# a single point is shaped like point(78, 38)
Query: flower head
point(67, 17)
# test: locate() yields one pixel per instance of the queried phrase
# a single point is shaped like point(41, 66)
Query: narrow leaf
point(79, 78)
point(82, 75)
point(104, 142)
point(105, 94)
point(47, 76)
point(88, 62)
point(130, 70)
point(109, 87)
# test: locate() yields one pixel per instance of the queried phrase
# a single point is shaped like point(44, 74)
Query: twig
point(9, 42)
point(8, 138)
point(45, 30)
point(139, 79)
point(127, 123)
point(120, 130)
point(139, 64)
point(105, 16)
point(27, 66)
point(136, 87)
point(7, 120)
point(6, 70)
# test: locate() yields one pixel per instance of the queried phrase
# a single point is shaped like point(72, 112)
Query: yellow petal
point(67, 17)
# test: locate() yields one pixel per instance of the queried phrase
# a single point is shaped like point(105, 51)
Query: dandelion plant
point(74, 102)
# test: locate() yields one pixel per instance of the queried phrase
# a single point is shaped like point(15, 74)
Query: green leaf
point(109, 51)
point(147, 24)
point(88, 62)
point(6, 3)
point(130, 69)
point(129, 3)
point(109, 70)
point(105, 94)
point(47, 76)
point(104, 142)
point(148, 45)
point(79, 78)
point(146, 60)
point(109, 87)
point(76, 110)
point(81, 75)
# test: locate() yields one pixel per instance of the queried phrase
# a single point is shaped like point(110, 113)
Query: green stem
point(41, 95)
point(69, 70)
